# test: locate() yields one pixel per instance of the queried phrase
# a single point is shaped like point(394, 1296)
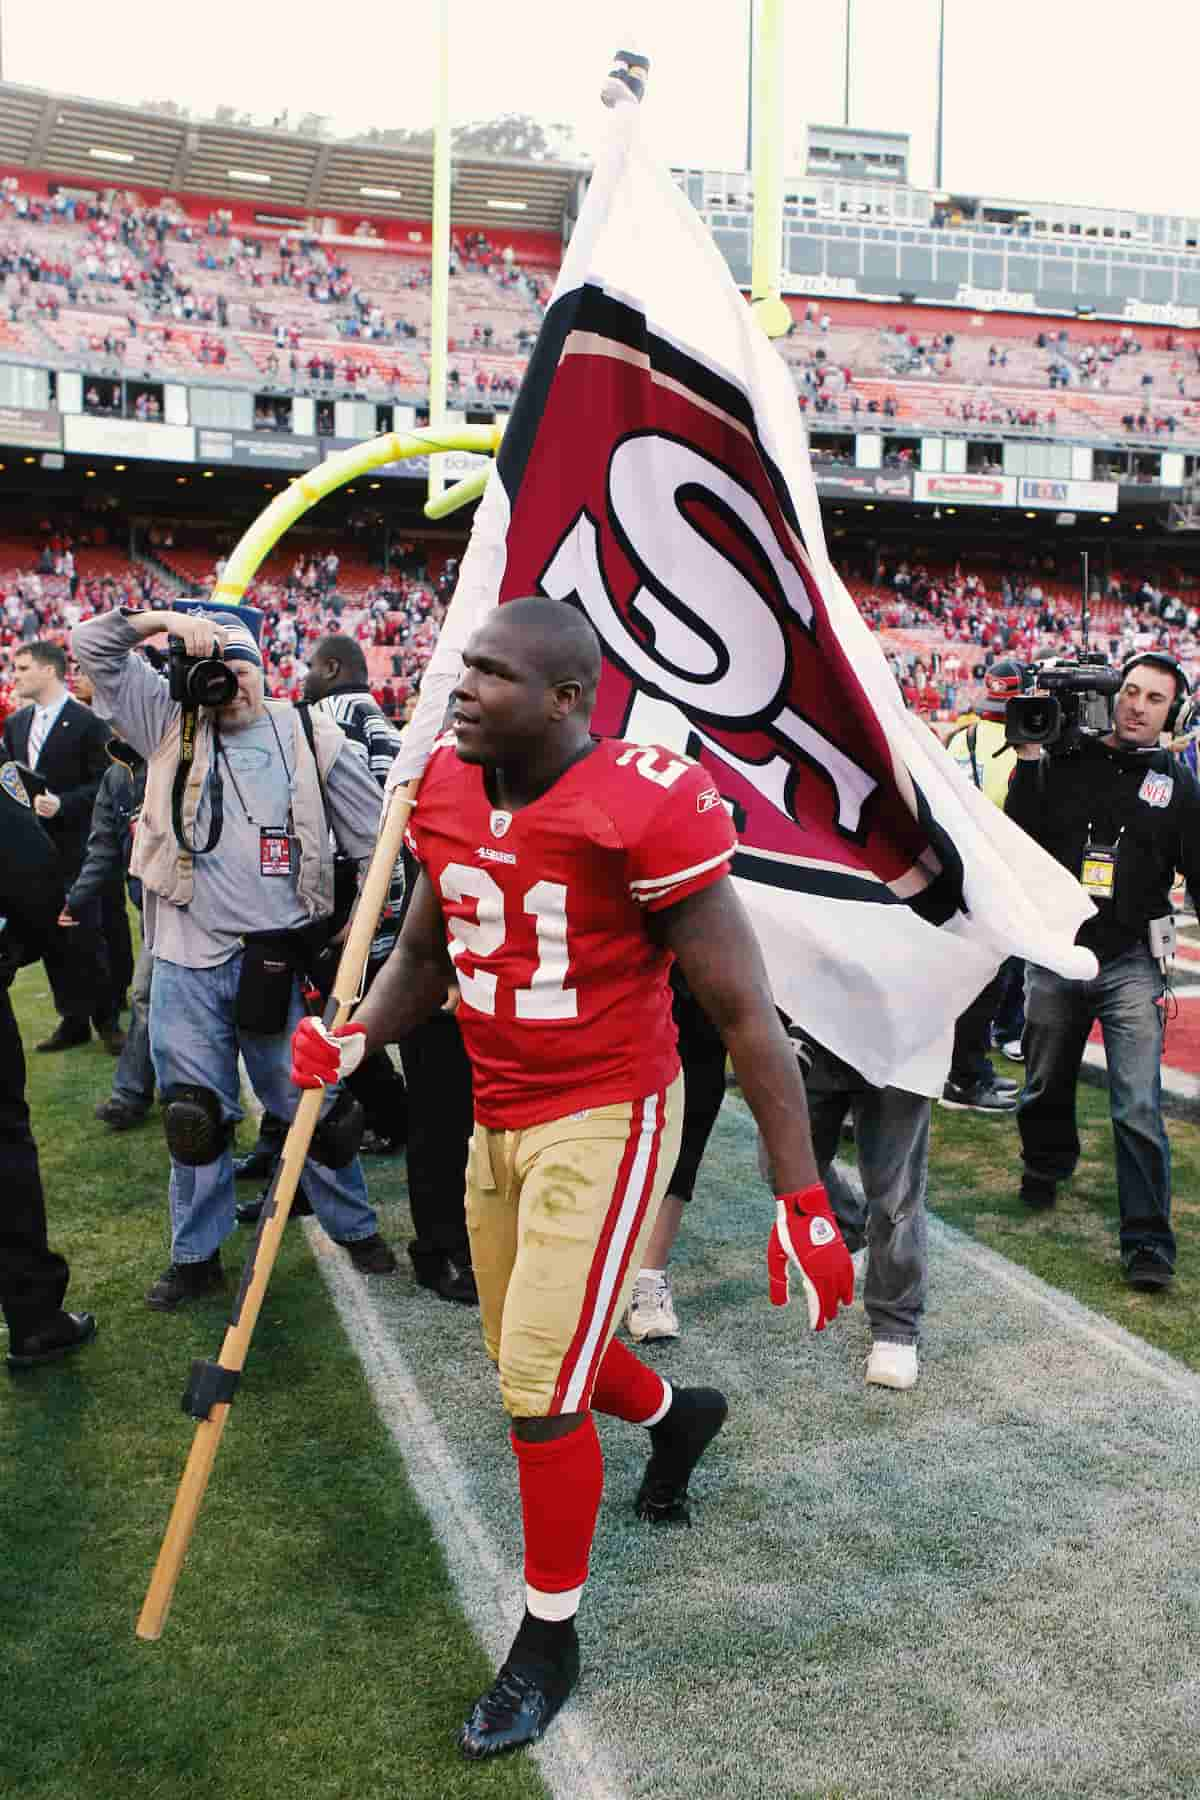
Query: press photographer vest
point(169, 871)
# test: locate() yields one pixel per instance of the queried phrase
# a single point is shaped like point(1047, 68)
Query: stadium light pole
point(941, 80)
point(766, 244)
point(846, 93)
point(439, 298)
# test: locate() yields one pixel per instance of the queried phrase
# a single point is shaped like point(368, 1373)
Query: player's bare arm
point(718, 952)
point(412, 984)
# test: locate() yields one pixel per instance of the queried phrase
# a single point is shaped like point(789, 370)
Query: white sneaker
point(892, 1365)
point(1013, 1050)
point(651, 1313)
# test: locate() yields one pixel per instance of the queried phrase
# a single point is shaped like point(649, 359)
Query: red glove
point(805, 1234)
point(322, 1058)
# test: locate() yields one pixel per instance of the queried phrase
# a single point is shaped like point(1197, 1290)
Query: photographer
point(234, 855)
point(1123, 815)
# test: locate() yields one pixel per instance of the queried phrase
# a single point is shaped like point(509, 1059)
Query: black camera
point(198, 680)
point(1070, 699)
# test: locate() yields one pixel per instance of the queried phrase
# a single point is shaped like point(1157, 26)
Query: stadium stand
point(153, 287)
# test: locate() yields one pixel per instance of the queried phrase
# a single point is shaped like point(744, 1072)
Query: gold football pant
point(559, 1216)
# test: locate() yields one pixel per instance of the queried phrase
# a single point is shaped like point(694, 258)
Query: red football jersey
point(565, 999)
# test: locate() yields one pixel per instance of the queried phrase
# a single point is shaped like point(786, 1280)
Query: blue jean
point(194, 1040)
point(1059, 1015)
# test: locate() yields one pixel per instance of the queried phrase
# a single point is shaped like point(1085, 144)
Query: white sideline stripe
point(1067, 1311)
point(1072, 1313)
point(570, 1760)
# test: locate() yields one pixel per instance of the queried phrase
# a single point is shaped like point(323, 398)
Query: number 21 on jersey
point(547, 996)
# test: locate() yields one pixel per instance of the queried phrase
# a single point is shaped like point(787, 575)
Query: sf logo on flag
point(737, 680)
point(671, 528)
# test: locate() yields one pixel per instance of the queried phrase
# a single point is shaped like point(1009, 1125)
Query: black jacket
point(31, 884)
point(1143, 801)
point(72, 761)
point(110, 842)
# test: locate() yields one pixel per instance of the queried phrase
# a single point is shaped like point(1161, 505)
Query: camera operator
point(233, 851)
point(1123, 815)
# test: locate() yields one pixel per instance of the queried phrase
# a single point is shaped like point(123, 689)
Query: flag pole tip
point(626, 80)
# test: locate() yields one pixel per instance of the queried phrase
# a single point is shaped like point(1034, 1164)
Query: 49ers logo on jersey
point(669, 526)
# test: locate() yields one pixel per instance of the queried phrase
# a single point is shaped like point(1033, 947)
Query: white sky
point(1072, 100)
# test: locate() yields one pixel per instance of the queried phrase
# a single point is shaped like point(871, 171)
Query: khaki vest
point(169, 871)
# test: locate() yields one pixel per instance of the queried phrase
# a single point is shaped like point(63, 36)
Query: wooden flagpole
point(211, 1388)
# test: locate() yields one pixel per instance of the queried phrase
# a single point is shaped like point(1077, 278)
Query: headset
point(1162, 659)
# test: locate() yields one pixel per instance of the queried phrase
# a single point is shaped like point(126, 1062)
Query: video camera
point(1070, 699)
point(198, 680)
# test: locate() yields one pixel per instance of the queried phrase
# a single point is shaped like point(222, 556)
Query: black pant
point(702, 1053)
point(114, 926)
point(33, 1279)
point(440, 1121)
point(970, 1063)
point(77, 966)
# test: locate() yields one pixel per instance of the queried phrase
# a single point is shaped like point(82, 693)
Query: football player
point(561, 875)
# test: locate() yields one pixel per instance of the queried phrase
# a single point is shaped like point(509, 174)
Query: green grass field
point(315, 1648)
point(974, 1172)
point(985, 1589)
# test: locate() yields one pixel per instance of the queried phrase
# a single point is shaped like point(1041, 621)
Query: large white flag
point(655, 473)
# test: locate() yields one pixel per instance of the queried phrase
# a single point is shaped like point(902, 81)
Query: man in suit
point(33, 1277)
point(64, 744)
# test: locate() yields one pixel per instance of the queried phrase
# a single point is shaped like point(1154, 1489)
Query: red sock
point(561, 1484)
point(627, 1389)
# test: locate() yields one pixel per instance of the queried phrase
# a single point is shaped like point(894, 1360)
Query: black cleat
point(677, 1444)
point(1147, 1270)
point(181, 1283)
point(448, 1279)
point(1037, 1191)
point(64, 1333)
point(256, 1165)
point(519, 1705)
point(249, 1212)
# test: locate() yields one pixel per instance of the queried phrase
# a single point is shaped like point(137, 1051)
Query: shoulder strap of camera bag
point(187, 750)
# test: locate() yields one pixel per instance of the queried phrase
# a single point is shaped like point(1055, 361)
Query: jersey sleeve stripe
point(654, 887)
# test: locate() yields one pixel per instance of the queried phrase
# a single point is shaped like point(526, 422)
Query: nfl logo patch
point(1156, 790)
point(14, 787)
point(500, 822)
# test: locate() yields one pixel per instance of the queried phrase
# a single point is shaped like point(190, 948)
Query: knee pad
point(337, 1136)
point(195, 1131)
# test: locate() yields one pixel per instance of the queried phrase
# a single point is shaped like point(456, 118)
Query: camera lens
point(211, 683)
point(1033, 719)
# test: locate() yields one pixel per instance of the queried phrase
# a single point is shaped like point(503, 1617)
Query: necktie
point(37, 737)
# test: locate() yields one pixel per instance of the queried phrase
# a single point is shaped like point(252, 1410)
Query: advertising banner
point(258, 449)
point(1076, 496)
point(863, 484)
point(128, 437)
point(33, 430)
point(455, 463)
point(966, 490)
